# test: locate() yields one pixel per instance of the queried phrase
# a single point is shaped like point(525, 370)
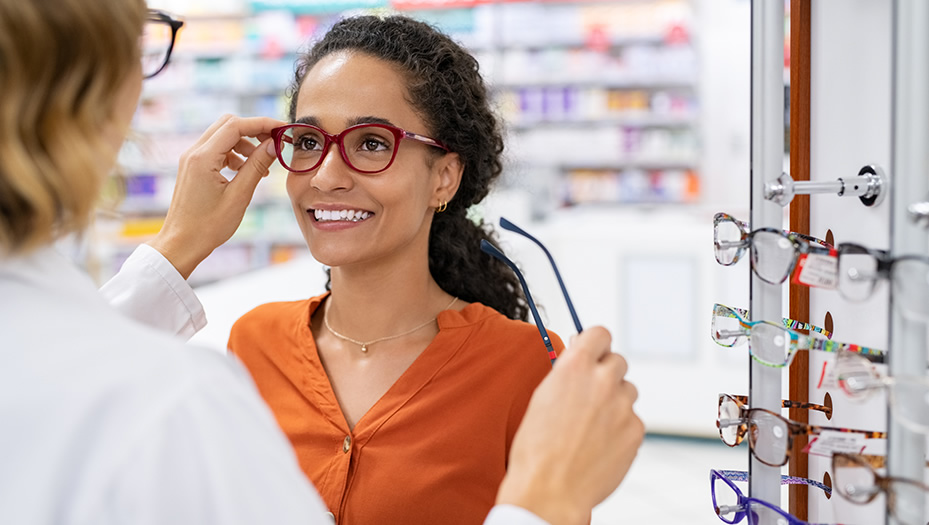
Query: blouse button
point(347, 444)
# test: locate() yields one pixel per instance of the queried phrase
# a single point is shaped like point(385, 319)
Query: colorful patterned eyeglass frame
point(489, 248)
point(744, 504)
point(810, 245)
point(794, 428)
point(798, 341)
point(885, 484)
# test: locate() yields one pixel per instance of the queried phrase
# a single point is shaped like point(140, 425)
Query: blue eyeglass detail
point(507, 225)
point(489, 248)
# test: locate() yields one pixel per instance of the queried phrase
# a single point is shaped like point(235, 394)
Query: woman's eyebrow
point(369, 119)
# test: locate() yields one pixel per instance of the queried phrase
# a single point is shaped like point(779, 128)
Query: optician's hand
point(579, 435)
point(206, 208)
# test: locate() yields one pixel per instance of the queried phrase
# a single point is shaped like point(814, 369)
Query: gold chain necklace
point(364, 344)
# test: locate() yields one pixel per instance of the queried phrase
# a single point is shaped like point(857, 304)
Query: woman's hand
point(578, 437)
point(206, 208)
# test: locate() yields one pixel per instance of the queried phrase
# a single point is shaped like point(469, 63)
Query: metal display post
point(910, 181)
point(767, 158)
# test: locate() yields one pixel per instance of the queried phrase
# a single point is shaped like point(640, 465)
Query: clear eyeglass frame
point(908, 395)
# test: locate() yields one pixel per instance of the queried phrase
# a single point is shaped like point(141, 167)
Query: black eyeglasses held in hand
point(489, 248)
point(158, 37)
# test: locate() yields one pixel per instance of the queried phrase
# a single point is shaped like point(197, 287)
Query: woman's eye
point(374, 144)
point(306, 143)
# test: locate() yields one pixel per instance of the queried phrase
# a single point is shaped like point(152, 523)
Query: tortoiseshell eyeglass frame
point(794, 428)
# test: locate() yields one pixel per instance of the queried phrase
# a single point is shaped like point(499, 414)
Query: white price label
point(829, 442)
point(819, 270)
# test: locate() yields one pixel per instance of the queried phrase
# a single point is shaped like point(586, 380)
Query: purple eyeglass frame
point(744, 505)
point(399, 134)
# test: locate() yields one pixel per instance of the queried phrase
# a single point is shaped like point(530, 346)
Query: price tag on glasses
point(831, 441)
point(818, 270)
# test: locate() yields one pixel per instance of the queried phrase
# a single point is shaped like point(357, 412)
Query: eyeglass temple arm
point(742, 475)
point(488, 248)
point(507, 225)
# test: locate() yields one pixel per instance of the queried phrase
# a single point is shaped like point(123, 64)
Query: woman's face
point(396, 205)
point(124, 106)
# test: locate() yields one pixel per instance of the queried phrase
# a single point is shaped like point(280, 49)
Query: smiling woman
point(419, 355)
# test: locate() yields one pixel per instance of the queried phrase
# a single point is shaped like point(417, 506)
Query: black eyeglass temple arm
point(488, 248)
point(507, 225)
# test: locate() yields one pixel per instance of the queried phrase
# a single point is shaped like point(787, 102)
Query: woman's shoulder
point(278, 314)
point(486, 326)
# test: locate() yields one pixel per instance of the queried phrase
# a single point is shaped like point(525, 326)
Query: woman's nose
point(333, 172)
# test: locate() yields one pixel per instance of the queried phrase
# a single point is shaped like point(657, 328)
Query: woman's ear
point(448, 173)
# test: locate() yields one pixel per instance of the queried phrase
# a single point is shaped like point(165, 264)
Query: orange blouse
point(434, 448)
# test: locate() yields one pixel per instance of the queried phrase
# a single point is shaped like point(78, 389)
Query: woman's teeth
point(340, 215)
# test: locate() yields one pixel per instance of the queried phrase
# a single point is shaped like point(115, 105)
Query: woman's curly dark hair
point(447, 90)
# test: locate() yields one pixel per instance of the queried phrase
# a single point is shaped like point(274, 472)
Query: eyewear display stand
point(767, 154)
point(907, 449)
point(869, 186)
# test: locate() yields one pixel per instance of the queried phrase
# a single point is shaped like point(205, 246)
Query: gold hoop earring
point(442, 207)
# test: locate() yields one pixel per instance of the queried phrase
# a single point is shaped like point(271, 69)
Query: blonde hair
point(62, 64)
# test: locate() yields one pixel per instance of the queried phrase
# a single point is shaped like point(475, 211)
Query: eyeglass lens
point(725, 500)
point(856, 375)
point(911, 287)
point(157, 39)
point(730, 420)
point(905, 502)
point(773, 256)
point(855, 481)
point(909, 397)
point(857, 274)
point(768, 436)
point(728, 242)
point(364, 148)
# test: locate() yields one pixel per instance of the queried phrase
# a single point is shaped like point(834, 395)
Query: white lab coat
point(104, 420)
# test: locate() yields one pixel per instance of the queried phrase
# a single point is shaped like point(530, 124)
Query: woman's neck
point(368, 303)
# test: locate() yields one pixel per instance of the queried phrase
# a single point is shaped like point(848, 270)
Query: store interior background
point(627, 129)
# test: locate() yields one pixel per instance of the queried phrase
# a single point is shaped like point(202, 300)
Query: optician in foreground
point(108, 421)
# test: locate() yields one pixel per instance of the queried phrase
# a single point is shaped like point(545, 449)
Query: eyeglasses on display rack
point(908, 395)
point(743, 314)
point(366, 148)
point(772, 344)
point(774, 252)
point(492, 250)
point(742, 475)
point(733, 507)
point(860, 268)
point(770, 436)
point(856, 480)
point(158, 36)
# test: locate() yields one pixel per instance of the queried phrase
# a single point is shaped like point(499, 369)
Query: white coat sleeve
point(150, 290)
point(512, 515)
point(211, 455)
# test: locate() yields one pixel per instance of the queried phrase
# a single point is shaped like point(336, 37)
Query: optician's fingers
point(233, 161)
point(250, 173)
point(244, 147)
point(231, 132)
point(591, 345)
point(613, 366)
